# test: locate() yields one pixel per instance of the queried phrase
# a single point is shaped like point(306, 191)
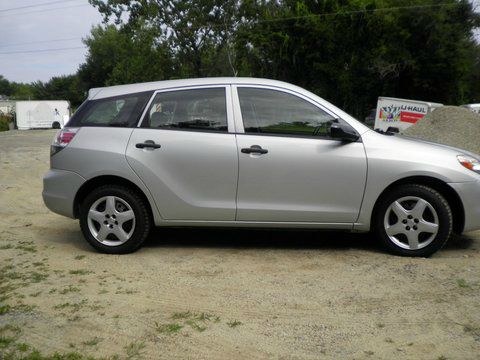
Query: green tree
point(60, 88)
point(199, 34)
point(347, 51)
point(5, 87)
point(119, 57)
point(351, 52)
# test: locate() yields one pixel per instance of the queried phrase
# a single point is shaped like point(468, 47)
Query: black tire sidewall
point(435, 199)
point(142, 218)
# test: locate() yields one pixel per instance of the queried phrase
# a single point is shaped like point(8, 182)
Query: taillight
point(62, 139)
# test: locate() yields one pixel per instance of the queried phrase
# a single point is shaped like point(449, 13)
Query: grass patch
point(196, 321)
point(207, 317)
point(6, 341)
point(26, 246)
point(10, 329)
point(168, 329)
point(22, 347)
point(134, 350)
point(92, 342)
point(10, 349)
point(234, 323)
point(23, 308)
point(182, 315)
point(463, 284)
point(6, 247)
point(69, 289)
point(5, 309)
point(80, 272)
point(79, 257)
point(36, 277)
point(73, 307)
point(195, 326)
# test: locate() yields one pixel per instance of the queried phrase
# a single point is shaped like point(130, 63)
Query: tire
point(114, 219)
point(56, 125)
point(413, 220)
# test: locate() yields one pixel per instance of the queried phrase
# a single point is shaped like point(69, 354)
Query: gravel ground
point(450, 125)
point(221, 294)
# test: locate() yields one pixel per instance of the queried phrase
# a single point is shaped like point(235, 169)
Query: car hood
point(457, 150)
point(405, 156)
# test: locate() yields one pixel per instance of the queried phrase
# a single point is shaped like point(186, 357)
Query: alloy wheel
point(111, 220)
point(411, 223)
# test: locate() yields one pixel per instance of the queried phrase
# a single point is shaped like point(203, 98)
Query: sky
point(43, 38)
point(29, 29)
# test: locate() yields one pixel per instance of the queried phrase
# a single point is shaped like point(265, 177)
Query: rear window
point(118, 111)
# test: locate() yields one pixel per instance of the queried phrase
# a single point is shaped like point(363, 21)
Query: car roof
point(104, 92)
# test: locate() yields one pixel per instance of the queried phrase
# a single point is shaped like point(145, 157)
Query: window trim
point(228, 107)
point(240, 130)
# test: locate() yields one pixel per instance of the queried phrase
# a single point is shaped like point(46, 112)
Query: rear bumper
point(59, 190)
point(469, 193)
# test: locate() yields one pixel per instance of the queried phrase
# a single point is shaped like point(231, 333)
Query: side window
point(274, 112)
point(119, 111)
point(199, 109)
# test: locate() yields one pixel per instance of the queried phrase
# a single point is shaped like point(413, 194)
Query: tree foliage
point(347, 51)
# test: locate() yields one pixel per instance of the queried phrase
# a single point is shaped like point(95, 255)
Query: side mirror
point(343, 132)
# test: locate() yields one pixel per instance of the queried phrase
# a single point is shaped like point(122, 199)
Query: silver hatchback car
point(251, 153)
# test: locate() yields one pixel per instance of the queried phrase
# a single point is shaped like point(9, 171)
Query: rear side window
point(118, 111)
point(195, 110)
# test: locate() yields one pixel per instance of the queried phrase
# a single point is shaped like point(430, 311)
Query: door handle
point(150, 144)
point(254, 149)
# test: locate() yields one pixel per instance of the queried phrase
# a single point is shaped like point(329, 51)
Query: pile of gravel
point(450, 125)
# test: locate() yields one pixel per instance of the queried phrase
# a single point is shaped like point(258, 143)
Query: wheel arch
point(95, 182)
point(442, 187)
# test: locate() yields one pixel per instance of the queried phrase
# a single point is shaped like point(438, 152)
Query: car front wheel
point(413, 220)
point(114, 219)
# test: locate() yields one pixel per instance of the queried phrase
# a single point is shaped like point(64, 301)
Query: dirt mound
point(450, 125)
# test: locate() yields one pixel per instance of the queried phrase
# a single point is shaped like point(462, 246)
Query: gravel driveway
point(221, 294)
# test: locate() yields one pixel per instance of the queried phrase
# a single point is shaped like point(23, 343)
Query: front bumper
point(59, 190)
point(469, 193)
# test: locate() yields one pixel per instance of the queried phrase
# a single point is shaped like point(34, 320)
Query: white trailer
point(401, 113)
point(473, 107)
point(45, 114)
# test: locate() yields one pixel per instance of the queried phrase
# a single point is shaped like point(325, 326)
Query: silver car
point(251, 153)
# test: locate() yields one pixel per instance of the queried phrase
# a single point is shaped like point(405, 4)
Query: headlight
point(469, 162)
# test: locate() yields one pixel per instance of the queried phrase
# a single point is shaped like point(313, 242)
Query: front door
point(185, 155)
point(289, 168)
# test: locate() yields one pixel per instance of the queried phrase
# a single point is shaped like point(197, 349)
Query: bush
point(4, 121)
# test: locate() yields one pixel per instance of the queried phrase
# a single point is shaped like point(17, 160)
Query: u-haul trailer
point(401, 113)
point(45, 114)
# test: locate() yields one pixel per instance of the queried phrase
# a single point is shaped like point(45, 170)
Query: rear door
point(290, 170)
point(185, 155)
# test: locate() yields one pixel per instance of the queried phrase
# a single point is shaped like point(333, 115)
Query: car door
point(185, 154)
point(290, 170)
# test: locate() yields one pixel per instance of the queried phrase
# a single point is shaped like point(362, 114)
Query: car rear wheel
point(114, 219)
point(413, 220)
